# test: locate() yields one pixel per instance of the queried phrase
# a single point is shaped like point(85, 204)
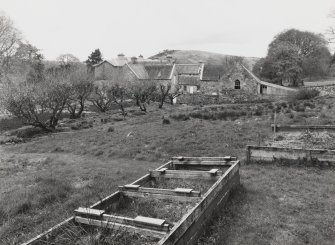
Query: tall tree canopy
point(294, 55)
point(94, 58)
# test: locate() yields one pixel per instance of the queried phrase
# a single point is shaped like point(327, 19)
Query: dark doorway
point(237, 84)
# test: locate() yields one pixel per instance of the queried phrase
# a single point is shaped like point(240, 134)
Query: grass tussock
point(77, 234)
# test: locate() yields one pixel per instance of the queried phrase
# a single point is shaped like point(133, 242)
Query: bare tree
point(101, 97)
point(142, 92)
point(119, 94)
point(67, 60)
point(39, 105)
point(174, 92)
point(164, 90)
point(331, 30)
point(9, 40)
point(81, 87)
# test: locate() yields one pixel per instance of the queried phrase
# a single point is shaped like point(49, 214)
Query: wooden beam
point(143, 222)
point(127, 228)
point(185, 174)
point(186, 231)
point(175, 192)
point(89, 211)
point(177, 197)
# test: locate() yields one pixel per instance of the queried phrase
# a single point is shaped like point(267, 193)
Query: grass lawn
point(44, 179)
point(278, 205)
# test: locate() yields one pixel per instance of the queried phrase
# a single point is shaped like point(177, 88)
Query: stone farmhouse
point(198, 78)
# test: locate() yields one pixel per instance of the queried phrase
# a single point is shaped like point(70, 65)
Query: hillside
point(194, 56)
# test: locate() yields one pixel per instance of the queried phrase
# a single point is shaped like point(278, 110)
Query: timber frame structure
point(269, 154)
point(223, 171)
point(277, 127)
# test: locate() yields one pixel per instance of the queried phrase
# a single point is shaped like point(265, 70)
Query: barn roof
point(188, 68)
point(159, 71)
point(213, 72)
point(189, 80)
point(139, 70)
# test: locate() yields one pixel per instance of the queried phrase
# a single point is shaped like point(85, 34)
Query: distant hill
point(194, 56)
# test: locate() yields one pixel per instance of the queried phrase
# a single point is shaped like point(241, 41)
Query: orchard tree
point(119, 94)
point(174, 92)
point(167, 90)
point(33, 103)
point(81, 87)
point(142, 92)
point(101, 96)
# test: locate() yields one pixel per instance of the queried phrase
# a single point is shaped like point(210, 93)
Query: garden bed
point(202, 186)
point(167, 209)
point(167, 206)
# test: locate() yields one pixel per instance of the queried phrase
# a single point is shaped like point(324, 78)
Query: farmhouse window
point(237, 84)
point(185, 88)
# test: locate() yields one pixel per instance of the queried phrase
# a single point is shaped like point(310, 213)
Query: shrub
point(279, 138)
point(110, 129)
point(258, 111)
point(305, 94)
point(180, 117)
point(166, 121)
point(81, 125)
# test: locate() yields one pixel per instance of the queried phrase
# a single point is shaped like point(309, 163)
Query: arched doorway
point(237, 84)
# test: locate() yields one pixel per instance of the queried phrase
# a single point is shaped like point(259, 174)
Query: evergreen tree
point(94, 58)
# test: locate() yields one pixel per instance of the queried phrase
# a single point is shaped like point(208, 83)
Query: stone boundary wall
point(267, 153)
point(324, 90)
point(226, 97)
point(278, 127)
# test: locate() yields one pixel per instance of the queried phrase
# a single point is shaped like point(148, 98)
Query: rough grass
point(169, 210)
point(196, 185)
point(76, 234)
point(278, 204)
point(43, 180)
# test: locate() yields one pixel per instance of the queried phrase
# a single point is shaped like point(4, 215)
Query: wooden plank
point(183, 190)
point(213, 171)
point(182, 158)
point(127, 228)
point(89, 211)
point(148, 220)
point(162, 170)
point(135, 187)
point(180, 198)
point(185, 174)
point(186, 230)
point(129, 221)
point(162, 191)
point(207, 163)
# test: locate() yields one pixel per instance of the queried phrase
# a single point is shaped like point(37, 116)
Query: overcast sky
point(133, 27)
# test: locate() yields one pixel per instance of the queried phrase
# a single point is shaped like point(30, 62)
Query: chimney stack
point(120, 56)
point(133, 60)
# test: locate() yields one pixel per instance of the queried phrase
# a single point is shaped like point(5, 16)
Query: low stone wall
point(324, 90)
point(277, 127)
point(229, 96)
point(267, 153)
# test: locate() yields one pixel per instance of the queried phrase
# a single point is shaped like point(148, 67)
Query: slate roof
point(189, 80)
point(213, 72)
point(139, 70)
point(187, 68)
point(159, 71)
